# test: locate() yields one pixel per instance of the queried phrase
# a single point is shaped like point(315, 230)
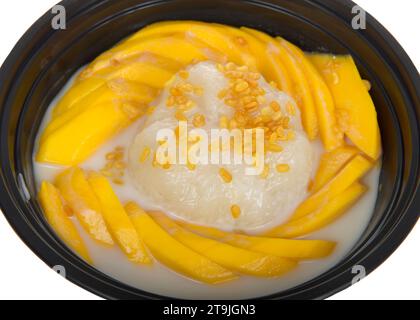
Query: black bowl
point(44, 59)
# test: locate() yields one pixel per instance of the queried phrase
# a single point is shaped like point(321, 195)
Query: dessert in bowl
point(124, 181)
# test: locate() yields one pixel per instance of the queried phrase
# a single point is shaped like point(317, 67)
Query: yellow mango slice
point(138, 71)
point(301, 89)
point(172, 47)
point(52, 205)
point(117, 220)
point(80, 198)
point(352, 172)
point(278, 72)
point(322, 217)
point(156, 69)
point(330, 164)
point(355, 109)
point(286, 248)
point(78, 138)
point(234, 258)
point(204, 32)
point(331, 135)
point(252, 48)
point(118, 90)
point(111, 88)
point(112, 69)
point(172, 253)
point(76, 92)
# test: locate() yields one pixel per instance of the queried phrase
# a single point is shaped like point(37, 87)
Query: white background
point(24, 276)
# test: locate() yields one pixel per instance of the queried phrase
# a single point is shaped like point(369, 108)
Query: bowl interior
point(49, 57)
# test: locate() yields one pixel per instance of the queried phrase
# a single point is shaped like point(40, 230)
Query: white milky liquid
point(161, 280)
